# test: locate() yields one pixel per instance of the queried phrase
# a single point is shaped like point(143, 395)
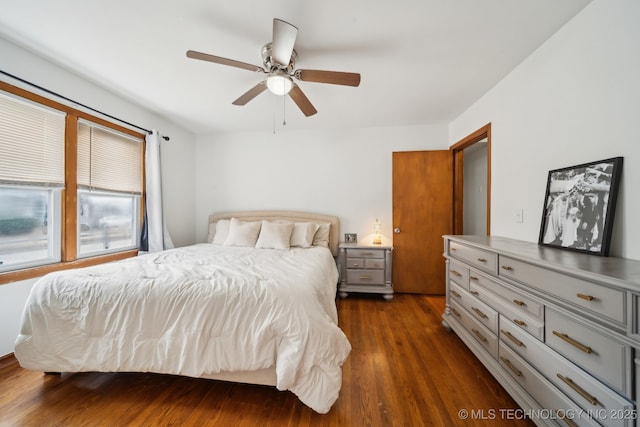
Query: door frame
point(458, 176)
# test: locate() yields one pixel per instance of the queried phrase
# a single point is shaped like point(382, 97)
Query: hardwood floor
point(405, 369)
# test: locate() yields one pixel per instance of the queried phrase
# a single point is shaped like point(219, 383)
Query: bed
point(245, 307)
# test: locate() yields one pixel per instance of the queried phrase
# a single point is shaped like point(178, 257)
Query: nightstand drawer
point(483, 260)
point(600, 354)
point(366, 263)
point(374, 263)
point(365, 253)
point(355, 263)
point(599, 299)
point(365, 277)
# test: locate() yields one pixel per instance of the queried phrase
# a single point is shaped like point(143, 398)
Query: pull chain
point(284, 119)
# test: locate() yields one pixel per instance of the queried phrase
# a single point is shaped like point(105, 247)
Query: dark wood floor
point(405, 370)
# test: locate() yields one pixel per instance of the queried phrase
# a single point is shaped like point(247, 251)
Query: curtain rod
point(50, 92)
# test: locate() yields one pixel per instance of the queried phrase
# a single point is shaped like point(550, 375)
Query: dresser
point(558, 329)
point(365, 269)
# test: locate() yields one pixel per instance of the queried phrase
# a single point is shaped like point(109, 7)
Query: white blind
point(31, 143)
point(108, 160)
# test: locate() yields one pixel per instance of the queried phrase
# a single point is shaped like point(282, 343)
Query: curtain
point(155, 236)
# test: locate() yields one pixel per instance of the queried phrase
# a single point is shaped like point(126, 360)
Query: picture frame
point(579, 207)
point(350, 237)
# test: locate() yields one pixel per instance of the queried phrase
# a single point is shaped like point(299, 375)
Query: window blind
point(31, 143)
point(108, 160)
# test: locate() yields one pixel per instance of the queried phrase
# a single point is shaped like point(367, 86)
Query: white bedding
point(194, 311)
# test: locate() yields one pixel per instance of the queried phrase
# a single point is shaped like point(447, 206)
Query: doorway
point(472, 183)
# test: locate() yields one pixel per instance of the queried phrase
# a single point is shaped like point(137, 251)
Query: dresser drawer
point(365, 277)
point(365, 253)
point(581, 387)
point(541, 389)
point(600, 300)
point(459, 273)
point(514, 298)
point(600, 354)
point(483, 260)
point(481, 311)
point(481, 334)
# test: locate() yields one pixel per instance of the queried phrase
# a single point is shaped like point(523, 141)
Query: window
point(70, 187)
point(31, 179)
point(109, 190)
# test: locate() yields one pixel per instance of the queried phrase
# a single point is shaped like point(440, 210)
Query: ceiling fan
point(279, 60)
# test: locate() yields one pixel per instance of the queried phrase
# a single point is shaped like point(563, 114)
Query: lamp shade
point(279, 83)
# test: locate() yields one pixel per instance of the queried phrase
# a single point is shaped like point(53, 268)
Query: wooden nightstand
point(365, 269)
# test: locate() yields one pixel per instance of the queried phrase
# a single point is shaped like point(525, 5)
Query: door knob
point(396, 230)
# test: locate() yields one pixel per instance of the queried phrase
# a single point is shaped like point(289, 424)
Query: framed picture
point(350, 237)
point(579, 206)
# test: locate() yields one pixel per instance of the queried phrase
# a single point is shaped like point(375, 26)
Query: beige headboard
point(294, 216)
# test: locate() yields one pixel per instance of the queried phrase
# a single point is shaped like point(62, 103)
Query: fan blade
point(284, 38)
point(251, 93)
point(302, 101)
point(224, 61)
point(331, 77)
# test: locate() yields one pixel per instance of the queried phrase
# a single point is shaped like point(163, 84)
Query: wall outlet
point(519, 215)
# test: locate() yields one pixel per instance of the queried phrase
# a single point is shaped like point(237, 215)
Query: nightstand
point(365, 269)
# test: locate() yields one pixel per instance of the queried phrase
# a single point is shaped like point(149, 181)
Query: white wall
point(573, 101)
point(343, 172)
point(177, 160)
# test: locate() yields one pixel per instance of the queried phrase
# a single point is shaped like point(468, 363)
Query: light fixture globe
point(279, 83)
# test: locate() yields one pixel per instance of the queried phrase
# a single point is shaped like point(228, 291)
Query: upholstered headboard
point(294, 216)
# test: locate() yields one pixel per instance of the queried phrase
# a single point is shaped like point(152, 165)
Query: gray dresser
point(558, 329)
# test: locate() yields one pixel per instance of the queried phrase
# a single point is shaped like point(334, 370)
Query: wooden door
point(422, 214)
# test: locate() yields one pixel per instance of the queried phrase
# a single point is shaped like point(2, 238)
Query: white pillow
point(242, 233)
point(321, 237)
point(275, 235)
point(222, 231)
point(303, 232)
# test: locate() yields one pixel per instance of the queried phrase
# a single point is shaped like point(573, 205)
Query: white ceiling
point(421, 61)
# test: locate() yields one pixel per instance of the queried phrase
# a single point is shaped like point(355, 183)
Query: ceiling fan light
point(279, 84)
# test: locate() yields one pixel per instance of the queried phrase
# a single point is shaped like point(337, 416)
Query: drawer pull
point(515, 340)
point(519, 322)
point(479, 335)
point(480, 313)
point(476, 293)
point(366, 277)
point(454, 311)
point(518, 302)
point(455, 273)
point(482, 260)
point(586, 297)
point(474, 278)
point(355, 264)
point(367, 253)
point(452, 249)
point(507, 362)
point(566, 420)
point(507, 268)
point(455, 294)
point(573, 342)
point(582, 392)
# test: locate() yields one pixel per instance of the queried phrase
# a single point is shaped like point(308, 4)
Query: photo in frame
point(579, 207)
point(351, 237)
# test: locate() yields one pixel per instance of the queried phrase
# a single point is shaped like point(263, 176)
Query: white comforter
point(194, 311)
